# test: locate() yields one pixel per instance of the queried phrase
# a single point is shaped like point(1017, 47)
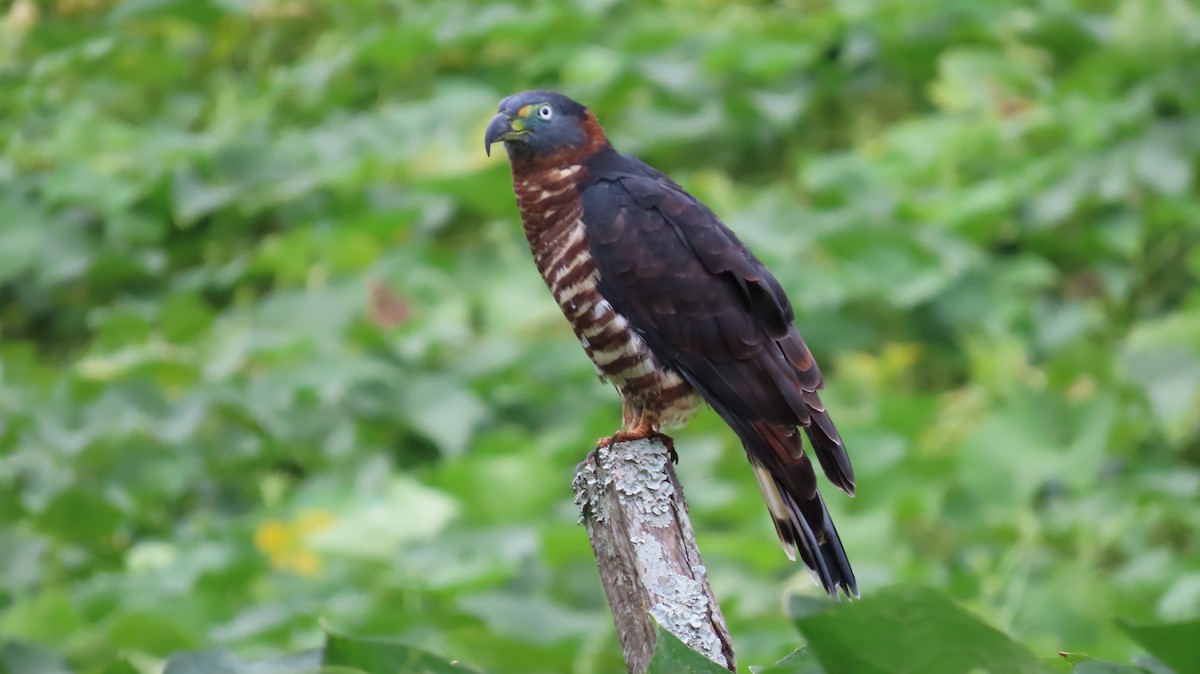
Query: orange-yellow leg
point(639, 425)
point(630, 413)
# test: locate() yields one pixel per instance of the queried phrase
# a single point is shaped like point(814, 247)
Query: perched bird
point(673, 310)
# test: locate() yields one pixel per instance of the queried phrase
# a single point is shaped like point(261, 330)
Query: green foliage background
point(273, 350)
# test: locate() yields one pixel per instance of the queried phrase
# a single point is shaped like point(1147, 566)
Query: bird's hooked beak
point(502, 129)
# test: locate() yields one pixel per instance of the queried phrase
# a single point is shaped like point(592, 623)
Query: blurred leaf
point(45, 617)
point(20, 560)
point(1152, 665)
point(80, 515)
point(876, 634)
point(381, 655)
point(120, 667)
point(375, 528)
point(21, 235)
point(19, 658)
point(805, 605)
point(219, 661)
point(672, 656)
point(205, 662)
point(1097, 667)
point(1083, 664)
point(149, 632)
point(443, 411)
point(800, 661)
point(193, 198)
point(467, 557)
point(529, 619)
point(184, 317)
point(1161, 164)
point(1174, 644)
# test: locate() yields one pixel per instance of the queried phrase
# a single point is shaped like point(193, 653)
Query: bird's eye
point(545, 112)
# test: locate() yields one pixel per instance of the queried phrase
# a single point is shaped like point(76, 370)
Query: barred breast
point(551, 213)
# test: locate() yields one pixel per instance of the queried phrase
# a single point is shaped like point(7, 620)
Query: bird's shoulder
point(638, 219)
point(625, 192)
point(622, 177)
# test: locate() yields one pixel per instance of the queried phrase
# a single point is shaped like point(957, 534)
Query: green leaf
point(877, 635)
point(149, 632)
point(1085, 664)
point(79, 515)
point(193, 198)
point(379, 656)
point(120, 667)
point(1099, 667)
point(22, 237)
point(22, 658)
point(1176, 645)
point(192, 10)
point(220, 661)
point(184, 317)
point(1162, 164)
point(530, 619)
point(672, 656)
point(443, 411)
point(41, 617)
point(804, 605)
point(800, 661)
point(375, 528)
point(1152, 665)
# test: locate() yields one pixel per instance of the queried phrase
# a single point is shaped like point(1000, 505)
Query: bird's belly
point(619, 353)
point(623, 358)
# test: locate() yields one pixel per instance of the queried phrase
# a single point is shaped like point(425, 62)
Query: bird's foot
point(590, 456)
point(640, 434)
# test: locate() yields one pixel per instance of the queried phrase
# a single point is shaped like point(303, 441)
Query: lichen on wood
point(636, 517)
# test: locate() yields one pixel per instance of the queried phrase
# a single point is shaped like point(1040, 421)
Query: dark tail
point(789, 484)
point(801, 519)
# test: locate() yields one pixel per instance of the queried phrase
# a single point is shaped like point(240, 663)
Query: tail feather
point(789, 485)
point(831, 453)
point(827, 444)
point(806, 529)
point(834, 554)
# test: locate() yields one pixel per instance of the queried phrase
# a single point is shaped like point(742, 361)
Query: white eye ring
point(545, 112)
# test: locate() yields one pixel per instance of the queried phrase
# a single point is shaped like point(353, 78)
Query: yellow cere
point(523, 114)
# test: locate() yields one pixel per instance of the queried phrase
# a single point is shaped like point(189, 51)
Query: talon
point(590, 456)
point(641, 434)
point(669, 443)
point(608, 441)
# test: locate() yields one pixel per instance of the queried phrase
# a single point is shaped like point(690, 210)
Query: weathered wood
point(636, 518)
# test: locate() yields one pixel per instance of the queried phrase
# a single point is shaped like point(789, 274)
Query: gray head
point(539, 126)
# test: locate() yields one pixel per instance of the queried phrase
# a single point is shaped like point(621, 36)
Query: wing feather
point(708, 308)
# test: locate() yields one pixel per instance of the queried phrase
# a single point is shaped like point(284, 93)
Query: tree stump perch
point(636, 518)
